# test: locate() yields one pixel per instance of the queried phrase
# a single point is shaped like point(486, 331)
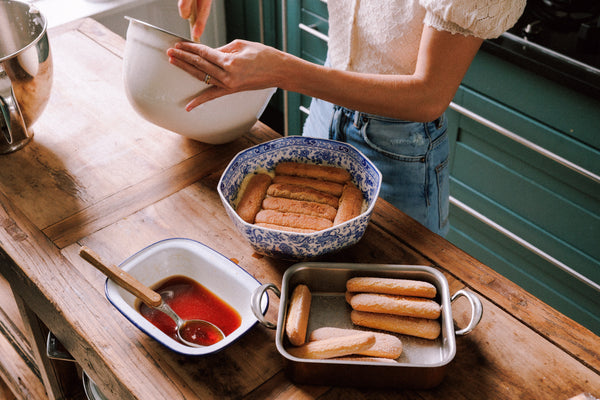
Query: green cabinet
point(258, 21)
point(541, 218)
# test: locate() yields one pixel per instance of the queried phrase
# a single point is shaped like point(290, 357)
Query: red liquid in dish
point(191, 300)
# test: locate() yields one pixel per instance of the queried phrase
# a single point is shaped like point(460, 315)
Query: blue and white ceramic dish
point(309, 150)
point(199, 262)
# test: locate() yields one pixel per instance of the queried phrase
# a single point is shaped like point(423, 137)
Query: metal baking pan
point(422, 363)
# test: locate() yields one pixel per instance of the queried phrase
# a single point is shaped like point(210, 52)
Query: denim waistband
point(360, 118)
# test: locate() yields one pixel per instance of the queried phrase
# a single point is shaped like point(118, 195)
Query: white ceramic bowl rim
point(131, 19)
point(248, 318)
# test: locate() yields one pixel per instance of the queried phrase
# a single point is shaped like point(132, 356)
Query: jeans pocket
point(400, 151)
point(413, 159)
point(400, 140)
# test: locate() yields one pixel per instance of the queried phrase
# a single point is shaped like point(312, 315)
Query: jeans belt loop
point(357, 119)
point(439, 122)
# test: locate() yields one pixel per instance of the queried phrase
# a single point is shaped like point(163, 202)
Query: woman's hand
point(237, 66)
point(197, 12)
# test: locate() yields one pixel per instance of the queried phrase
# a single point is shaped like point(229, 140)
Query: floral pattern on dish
point(266, 156)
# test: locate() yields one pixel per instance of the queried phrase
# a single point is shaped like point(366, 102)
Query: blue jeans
point(412, 157)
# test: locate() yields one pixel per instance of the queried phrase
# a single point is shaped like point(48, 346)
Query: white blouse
point(382, 36)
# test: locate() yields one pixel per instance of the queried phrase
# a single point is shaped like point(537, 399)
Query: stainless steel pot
point(25, 72)
point(421, 365)
point(56, 351)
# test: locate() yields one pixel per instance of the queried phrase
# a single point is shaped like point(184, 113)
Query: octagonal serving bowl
point(292, 245)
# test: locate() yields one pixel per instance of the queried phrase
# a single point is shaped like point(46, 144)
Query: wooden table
point(98, 175)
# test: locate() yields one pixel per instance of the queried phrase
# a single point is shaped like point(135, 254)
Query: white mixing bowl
point(159, 91)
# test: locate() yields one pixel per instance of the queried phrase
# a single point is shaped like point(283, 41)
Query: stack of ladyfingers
point(396, 305)
point(329, 342)
point(401, 306)
point(300, 197)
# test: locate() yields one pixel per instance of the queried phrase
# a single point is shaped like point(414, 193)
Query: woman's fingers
point(207, 53)
point(197, 69)
point(185, 8)
point(233, 47)
point(201, 9)
point(211, 93)
point(202, 12)
point(234, 67)
point(198, 55)
point(196, 63)
point(239, 66)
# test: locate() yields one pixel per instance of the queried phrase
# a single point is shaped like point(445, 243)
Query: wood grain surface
point(98, 175)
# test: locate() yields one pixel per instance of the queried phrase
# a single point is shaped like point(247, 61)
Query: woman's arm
point(423, 96)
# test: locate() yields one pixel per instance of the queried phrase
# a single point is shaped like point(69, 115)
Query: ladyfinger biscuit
point(292, 220)
point(367, 359)
point(397, 305)
point(401, 287)
point(323, 172)
point(385, 346)
point(348, 296)
point(297, 318)
point(350, 204)
point(304, 193)
point(252, 198)
point(285, 228)
point(332, 188)
point(334, 347)
point(299, 207)
point(419, 327)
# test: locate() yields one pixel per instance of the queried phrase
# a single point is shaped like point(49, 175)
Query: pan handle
point(256, 300)
point(476, 310)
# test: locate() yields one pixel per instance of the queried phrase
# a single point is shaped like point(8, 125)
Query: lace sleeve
point(485, 19)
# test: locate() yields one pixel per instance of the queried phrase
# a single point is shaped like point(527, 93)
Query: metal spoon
point(193, 332)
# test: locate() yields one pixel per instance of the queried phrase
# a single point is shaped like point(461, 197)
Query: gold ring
point(207, 79)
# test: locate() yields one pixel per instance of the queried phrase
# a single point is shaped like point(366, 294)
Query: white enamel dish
point(194, 260)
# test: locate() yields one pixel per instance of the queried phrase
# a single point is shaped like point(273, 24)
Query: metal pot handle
point(14, 125)
point(55, 350)
point(476, 311)
point(255, 303)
